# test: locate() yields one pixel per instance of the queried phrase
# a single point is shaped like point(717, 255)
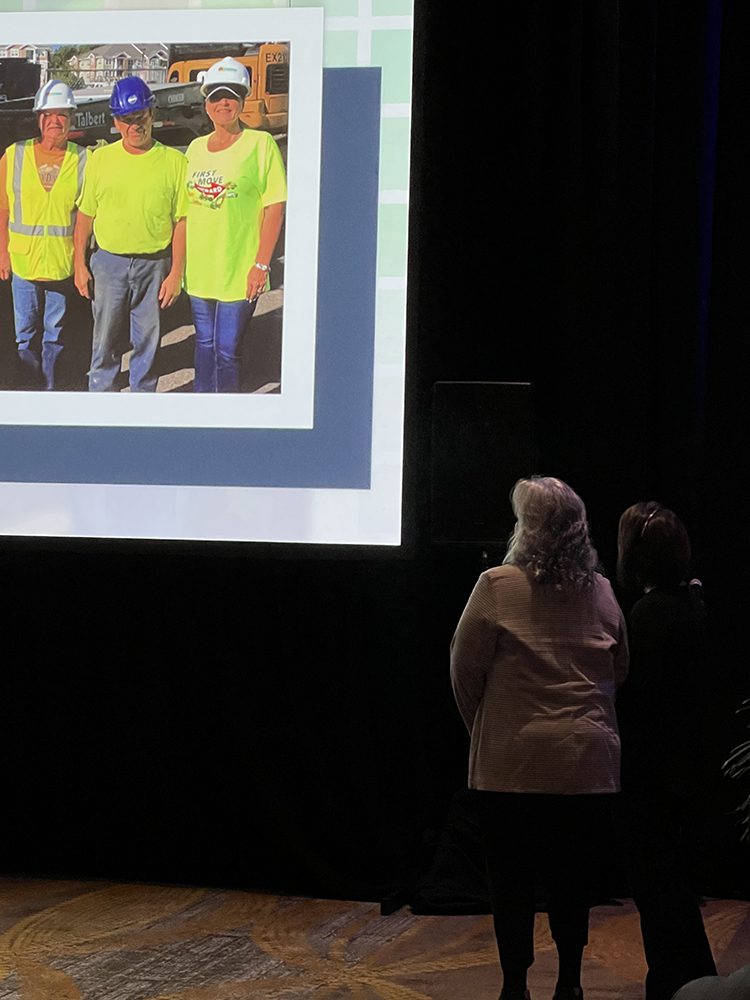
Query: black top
point(667, 707)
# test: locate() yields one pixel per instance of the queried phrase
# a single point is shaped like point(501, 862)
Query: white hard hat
point(226, 73)
point(54, 96)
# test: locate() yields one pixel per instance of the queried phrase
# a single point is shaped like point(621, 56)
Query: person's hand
point(256, 282)
point(4, 265)
point(170, 290)
point(83, 281)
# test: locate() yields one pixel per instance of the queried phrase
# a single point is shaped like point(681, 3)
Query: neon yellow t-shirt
point(226, 194)
point(133, 197)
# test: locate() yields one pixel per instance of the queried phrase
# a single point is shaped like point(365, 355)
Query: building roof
point(129, 49)
point(24, 45)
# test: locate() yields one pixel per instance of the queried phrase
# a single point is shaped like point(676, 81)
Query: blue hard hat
point(129, 95)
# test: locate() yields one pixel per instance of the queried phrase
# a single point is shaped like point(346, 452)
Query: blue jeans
point(219, 327)
point(126, 309)
point(39, 309)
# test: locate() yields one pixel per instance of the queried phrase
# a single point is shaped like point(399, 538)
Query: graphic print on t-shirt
point(208, 187)
point(48, 174)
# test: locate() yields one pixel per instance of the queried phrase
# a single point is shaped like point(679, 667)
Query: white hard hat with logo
point(54, 95)
point(227, 74)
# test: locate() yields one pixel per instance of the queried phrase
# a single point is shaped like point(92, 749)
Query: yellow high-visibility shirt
point(226, 194)
point(133, 197)
point(41, 221)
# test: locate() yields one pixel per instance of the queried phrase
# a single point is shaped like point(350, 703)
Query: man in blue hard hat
point(40, 180)
point(130, 200)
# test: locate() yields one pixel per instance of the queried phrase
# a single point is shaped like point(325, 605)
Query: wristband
point(262, 267)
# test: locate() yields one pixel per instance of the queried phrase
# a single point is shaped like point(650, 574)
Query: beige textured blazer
point(534, 672)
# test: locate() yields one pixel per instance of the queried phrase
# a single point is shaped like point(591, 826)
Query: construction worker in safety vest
point(130, 198)
point(40, 180)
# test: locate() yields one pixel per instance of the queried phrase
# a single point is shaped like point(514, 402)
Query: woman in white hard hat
point(236, 192)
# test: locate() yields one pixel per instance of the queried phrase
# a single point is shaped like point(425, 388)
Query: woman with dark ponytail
point(666, 721)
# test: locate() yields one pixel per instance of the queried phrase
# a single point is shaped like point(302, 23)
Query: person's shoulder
point(19, 145)
point(655, 602)
point(103, 157)
point(656, 613)
point(198, 145)
point(603, 587)
point(505, 575)
point(169, 153)
point(257, 138)
point(604, 584)
point(604, 594)
point(504, 571)
point(257, 135)
point(108, 151)
point(730, 987)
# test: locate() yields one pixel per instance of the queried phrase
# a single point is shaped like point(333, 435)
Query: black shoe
point(568, 993)
point(515, 995)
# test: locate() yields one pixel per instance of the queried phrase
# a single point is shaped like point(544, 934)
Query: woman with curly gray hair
point(536, 659)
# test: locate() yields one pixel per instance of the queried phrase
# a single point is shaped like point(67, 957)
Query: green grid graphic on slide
point(357, 33)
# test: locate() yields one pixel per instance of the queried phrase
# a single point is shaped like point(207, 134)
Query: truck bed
point(179, 115)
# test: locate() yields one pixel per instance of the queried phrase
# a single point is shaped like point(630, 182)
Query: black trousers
point(658, 829)
point(550, 840)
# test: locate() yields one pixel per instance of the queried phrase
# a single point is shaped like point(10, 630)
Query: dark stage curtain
point(586, 247)
point(284, 719)
point(592, 271)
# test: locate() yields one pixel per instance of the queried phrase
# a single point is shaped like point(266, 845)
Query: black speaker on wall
point(482, 442)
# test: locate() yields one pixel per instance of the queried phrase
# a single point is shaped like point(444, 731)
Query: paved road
point(261, 369)
point(261, 365)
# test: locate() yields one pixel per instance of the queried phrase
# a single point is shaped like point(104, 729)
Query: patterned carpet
point(102, 941)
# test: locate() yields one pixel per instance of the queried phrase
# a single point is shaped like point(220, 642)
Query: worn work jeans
point(219, 328)
point(39, 309)
point(126, 309)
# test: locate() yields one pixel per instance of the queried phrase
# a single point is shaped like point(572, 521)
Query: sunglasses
point(138, 118)
point(218, 95)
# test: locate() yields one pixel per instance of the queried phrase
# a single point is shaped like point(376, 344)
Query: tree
point(58, 64)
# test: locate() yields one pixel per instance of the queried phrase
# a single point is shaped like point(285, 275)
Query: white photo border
point(293, 406)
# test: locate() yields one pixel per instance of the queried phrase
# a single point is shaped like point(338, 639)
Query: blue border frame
point(336, 452)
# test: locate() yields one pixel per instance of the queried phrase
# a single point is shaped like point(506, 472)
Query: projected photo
point(146, 246)
point(222, 112)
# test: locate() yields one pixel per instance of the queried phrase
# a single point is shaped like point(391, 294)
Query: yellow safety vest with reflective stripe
point(40, 224)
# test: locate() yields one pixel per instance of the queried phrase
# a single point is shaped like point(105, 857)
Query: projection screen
point(310, 449)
